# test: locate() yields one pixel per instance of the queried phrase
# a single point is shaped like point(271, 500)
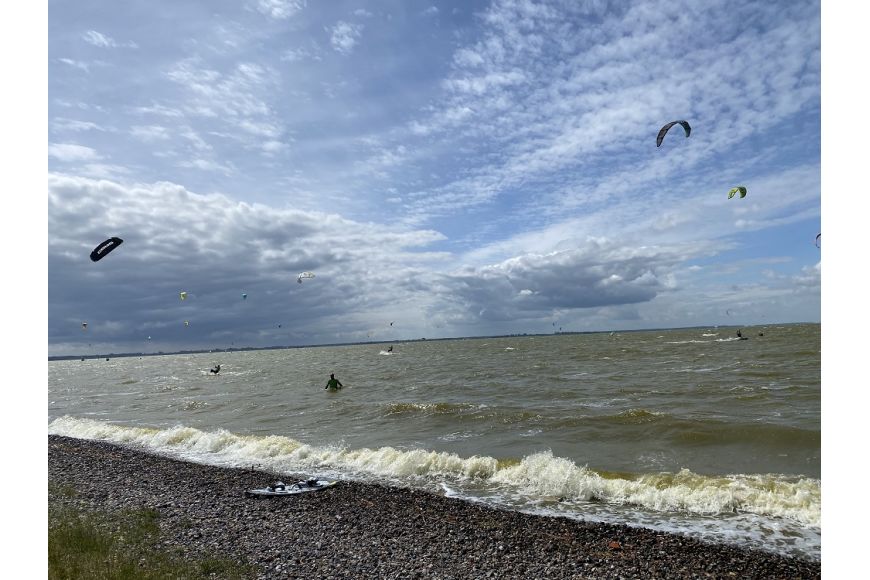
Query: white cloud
point(64, 124)
point(70, 152)
point(280, 9)
point(207, 165)
point(300, 54)
point(160, 110)
point(101, 40)
point(238, 99)
point(103, 171)
point(810, 276)
point(272, 147)
point(75, 64)
point(150, 133)
point(344, 36)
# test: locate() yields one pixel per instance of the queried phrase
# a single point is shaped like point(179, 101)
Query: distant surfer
point(390, 349)
point(215, 369)
point(739, 335)
point(333, 383)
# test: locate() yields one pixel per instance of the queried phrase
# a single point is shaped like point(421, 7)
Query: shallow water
point(686, 429)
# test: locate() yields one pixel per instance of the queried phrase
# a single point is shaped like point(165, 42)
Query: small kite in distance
point(663, 131)
point(819, 241)
point(304, 275)
point(84, 325)
point(104, 248)
point(739, 189)
point(244, 296)
point(186, 323)
point(182, 295)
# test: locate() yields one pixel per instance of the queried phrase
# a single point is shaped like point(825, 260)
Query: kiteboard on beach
point(281, 488)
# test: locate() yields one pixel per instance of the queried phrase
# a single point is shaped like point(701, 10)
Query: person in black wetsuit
point(215, 370)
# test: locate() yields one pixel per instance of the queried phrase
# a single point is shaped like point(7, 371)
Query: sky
point(444, 169)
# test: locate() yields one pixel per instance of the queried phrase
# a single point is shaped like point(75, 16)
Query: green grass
point(103, 546)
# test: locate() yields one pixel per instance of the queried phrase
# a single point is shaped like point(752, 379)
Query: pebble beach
point(356, 530)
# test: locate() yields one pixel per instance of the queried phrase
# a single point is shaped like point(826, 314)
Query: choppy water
point(688, 430)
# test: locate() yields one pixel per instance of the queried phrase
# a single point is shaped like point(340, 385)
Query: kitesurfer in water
point(390, 349)
point(333, 383)
point(739, 335)
point(216, 369)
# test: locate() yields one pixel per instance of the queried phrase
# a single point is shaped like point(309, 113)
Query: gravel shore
point(369, 531)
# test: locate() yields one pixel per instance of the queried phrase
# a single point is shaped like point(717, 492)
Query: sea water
point(686, 430)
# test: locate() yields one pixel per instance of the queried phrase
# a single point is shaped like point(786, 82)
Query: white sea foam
point(535, 476)
point(770, 495)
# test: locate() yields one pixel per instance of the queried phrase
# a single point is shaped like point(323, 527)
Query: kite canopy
point(104, 248)
point(663, 131)
point(304, 275)
point(244, 296)
point(186, 323)
point(734, 190)
point(182, 295)
point(84, 325)
point(819, 241)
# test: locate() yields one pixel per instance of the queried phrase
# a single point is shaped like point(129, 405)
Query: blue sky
point(456, 168)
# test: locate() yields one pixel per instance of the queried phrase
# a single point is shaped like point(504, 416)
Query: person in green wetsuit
point(333, 383)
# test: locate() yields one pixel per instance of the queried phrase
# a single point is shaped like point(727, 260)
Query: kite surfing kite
point(100, 251)
point(182, 295)
point(244, 296)
point(304, 275)
point(84, 325)
point(663, 131)
point(186, 323)
point(735, 190)
point(819, 241)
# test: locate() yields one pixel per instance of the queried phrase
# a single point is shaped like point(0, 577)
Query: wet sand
point(356, 530)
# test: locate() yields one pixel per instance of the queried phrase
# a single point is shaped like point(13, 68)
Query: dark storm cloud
point(215, 249)
point(599, 274)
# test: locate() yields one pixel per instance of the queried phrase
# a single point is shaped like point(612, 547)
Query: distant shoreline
point(398, 341)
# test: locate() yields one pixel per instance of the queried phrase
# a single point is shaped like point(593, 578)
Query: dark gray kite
point(663, 131)
point(100, 251)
